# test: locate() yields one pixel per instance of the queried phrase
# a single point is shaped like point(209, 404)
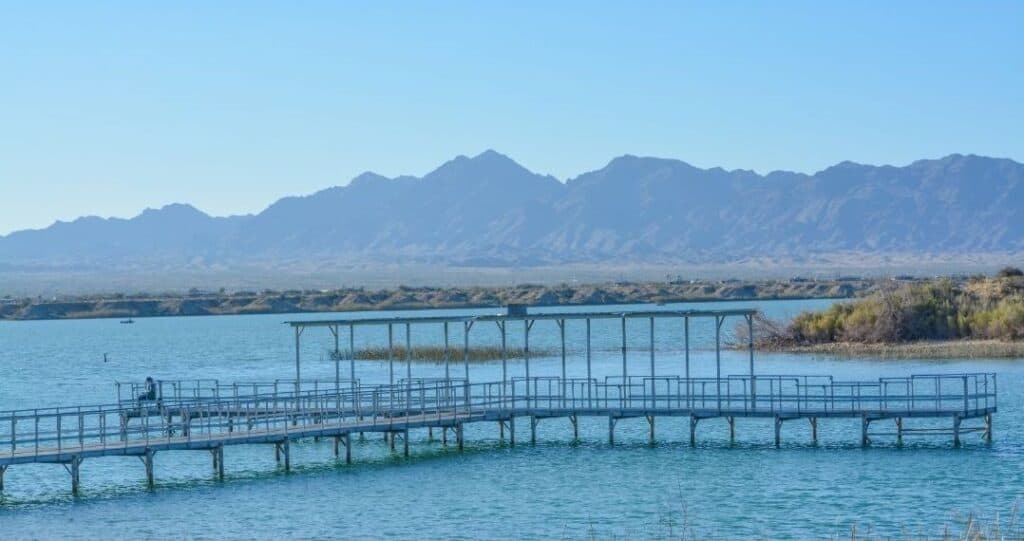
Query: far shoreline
point(429, 298)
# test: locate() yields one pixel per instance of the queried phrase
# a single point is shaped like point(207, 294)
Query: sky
point(107, 108)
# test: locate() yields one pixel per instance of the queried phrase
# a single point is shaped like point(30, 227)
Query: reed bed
point(436, 354)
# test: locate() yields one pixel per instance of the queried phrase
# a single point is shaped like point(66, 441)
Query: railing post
point(750, 347)
point(966, 409)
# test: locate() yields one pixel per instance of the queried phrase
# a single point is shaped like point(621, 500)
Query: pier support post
point(611, 430)
point(501, 430)
point(693, 430)
point(778, 430)
point(458, 435)
point(650, 422)
point(391, 440)
point(284, 448)
point(218, 461)
point(337, 444)
point(987, 435)
point(147, 459)
point(814, 430)
point(430, 433)
point(348, 448)
point(74, 468)
point(732, 429)
point(512, 431)
point(3, 470)
point(405, 442)
point(575, 427)
point(956, 430)
point(533, 429)
point(899, 431)
point(444, 436)
point(865, 423)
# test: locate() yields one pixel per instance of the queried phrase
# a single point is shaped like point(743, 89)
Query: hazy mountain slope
point(489, 210)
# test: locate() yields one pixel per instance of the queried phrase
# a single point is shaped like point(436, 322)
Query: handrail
point(31, 432)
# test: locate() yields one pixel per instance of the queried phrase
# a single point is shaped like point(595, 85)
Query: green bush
point(942, 309)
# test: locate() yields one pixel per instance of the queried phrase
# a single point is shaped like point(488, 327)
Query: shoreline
point(426, 298)
point(938, 349)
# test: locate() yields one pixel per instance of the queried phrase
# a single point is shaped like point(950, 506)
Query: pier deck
point(206, 415)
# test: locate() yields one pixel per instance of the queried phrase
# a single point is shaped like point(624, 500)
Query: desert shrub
point(1007, 272)
point(935, 310)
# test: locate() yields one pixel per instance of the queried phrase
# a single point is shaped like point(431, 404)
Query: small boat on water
point(128, 321)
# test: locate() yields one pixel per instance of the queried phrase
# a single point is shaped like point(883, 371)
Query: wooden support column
point(693, 430)
point(778, 431)
point(865, 423)
point(298, 368)
point(589, 383)
point(686, 367)
point(611, 430)
point(348, 448)
point(956, 430)
point(459, 435)
point(650, 422)
point(391, 355)
point(75, 468)
point(899, 431)
point(405, 442)
point(750, 349)
point(575, 427)
point(337, 445)
point(718, 360)
point(624, 371)
point(3, 470)
point(512, 431)
point(147, 459)
point(352, 361)
point(561, 330)
point(527, 325)
point(533, 429)
point(814, 430)
point(283, 448)
point(987, 434)
point(218, 461)
point(732, 429)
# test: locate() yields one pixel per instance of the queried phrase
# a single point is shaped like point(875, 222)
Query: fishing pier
point(206, 415)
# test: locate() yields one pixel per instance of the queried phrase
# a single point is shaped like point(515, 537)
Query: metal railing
point(278, 411)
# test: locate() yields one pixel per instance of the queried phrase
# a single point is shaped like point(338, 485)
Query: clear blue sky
point(108, 108)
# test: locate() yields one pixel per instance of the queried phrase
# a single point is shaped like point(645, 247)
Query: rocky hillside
point(490, 211)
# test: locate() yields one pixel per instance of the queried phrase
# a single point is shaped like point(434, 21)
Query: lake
point(554, 489)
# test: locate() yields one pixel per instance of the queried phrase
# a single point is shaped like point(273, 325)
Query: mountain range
point(488, 210)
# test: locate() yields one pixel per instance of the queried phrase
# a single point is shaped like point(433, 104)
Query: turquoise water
point(555, 489)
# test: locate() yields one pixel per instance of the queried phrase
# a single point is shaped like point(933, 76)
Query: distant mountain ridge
point(490, 211)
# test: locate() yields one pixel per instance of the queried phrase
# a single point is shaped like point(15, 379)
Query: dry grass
point(946, 349)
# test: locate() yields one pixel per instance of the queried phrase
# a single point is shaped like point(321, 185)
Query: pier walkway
point(205, 415)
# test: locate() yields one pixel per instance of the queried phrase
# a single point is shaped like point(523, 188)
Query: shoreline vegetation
point(976, 317)
point(197, 303)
